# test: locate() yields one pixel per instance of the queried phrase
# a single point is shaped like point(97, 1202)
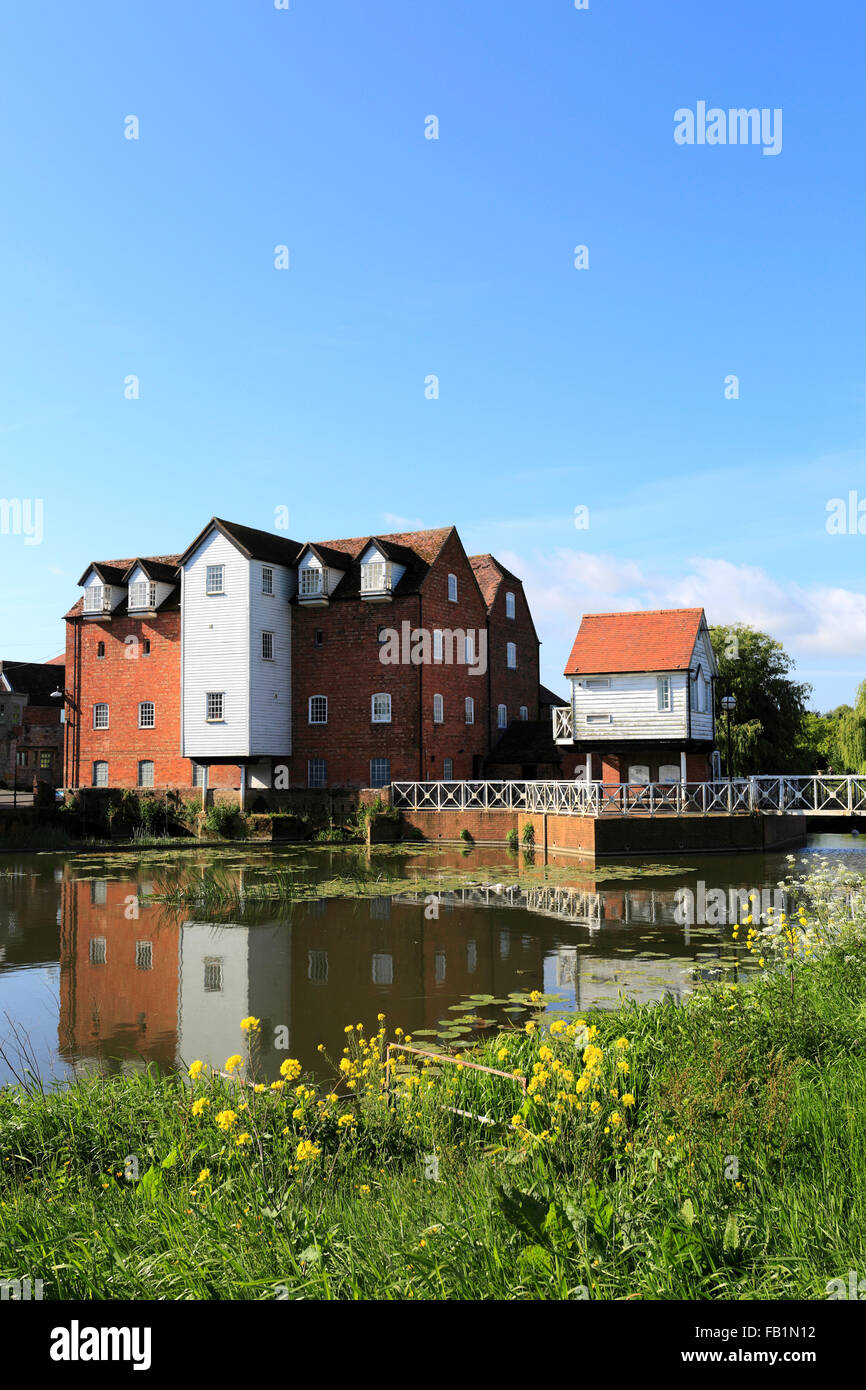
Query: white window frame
point(452, 588)
point(598, 683)
point(469, 710)
point(147, 704)
point(384, 714)
point(502, 716)
point(438, 644)
point(469, 648)
point(312, 581)
point(267, 656)
point(447, 769)
point(523, 712)
point(144, 955)
point(101, 706)
point(385, 776)
point(509, 605)
point(310, 719)
point(598, 718)
point(94, 778)
point(215, 575)
point(267, 579)
point(511, 655)
point(146, 762)
point(138, 599)
point(664, 694)
point(438, 709)
point(210, 698)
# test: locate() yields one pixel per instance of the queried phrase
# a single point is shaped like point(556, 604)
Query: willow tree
point(851, 734)
point(768, 722)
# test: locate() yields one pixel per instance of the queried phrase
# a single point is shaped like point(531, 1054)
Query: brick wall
point(519, 686)
point(346, 667)
point(41, 733)
point(122, 679)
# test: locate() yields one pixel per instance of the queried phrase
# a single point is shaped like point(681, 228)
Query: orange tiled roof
point(662, 639)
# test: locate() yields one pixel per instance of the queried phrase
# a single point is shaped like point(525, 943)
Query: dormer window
point(376, 576)
point(97, 598)
point(142, 595)
point(313, 582)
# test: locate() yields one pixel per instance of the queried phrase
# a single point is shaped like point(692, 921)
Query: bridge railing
point(820, 794)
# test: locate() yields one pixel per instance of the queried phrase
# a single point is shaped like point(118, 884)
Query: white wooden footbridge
point(819, 795)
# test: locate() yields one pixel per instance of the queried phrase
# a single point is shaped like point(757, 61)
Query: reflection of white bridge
point(582, 906)
point(768, 796)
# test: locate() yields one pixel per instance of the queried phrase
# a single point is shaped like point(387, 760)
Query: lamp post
point(729, 704)
point(65, 696)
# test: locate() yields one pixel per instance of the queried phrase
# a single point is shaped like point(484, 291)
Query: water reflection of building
point(138, 983)
point(118, 975)
point(590, 980)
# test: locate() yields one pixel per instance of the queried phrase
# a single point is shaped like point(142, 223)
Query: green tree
point(769, 725)
point(851, 734)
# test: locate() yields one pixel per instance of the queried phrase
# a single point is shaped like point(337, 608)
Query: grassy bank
point(711, 1150)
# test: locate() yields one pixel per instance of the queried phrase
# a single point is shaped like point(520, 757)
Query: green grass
point(739, 1172)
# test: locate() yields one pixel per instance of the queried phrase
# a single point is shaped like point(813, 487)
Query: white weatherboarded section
point(213, 991)
point(215, 652)
point(226, 973)
point(703, 668)
point(270, 681)
point(632, 703)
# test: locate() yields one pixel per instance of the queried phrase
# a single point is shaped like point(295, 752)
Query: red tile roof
point(654, 640)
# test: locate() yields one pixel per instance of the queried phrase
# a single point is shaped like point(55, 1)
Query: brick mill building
point(255, 661)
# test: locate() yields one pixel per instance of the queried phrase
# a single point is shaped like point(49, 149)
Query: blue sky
point(409, 257)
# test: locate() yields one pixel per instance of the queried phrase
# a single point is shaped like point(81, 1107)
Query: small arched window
point(438, 709)
point(470, 710)
point(502, 721)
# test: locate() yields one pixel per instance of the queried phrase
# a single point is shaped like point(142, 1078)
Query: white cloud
point(806, 618)
point(402, 523)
